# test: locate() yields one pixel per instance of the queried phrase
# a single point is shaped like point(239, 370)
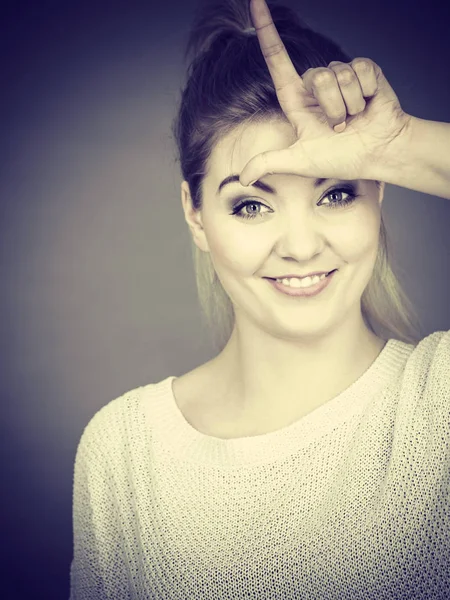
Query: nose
point(300, 237)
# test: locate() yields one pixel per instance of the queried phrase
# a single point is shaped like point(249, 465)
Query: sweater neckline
point(168, 426)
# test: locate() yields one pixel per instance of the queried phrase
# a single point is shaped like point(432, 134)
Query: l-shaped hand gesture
point(356, 93)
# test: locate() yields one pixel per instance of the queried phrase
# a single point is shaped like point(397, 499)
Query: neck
point(272, 376)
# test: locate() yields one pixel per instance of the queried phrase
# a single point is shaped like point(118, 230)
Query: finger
point(291, 160)
point(283, 73)
point(373, 81)
point(366, 73)
point(323, 85)
point(349, 86)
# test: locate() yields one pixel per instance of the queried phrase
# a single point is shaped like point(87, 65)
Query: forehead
point(234, 150)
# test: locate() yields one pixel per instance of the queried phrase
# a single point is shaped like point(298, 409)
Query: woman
point(310, 458)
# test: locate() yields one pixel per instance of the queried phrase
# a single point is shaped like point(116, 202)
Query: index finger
point(280, 66)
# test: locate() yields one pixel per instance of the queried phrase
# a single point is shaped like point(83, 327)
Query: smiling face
point(299, 227)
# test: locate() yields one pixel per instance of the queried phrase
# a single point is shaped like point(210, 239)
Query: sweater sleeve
point(97, 552)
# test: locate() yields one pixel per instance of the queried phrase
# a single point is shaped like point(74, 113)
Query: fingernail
point(340, 128)
point(251, 182)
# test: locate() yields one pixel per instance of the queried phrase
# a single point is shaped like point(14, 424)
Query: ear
point(193, 218)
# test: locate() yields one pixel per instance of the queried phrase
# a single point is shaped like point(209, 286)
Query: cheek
point(358, 245)
point(361, 239)
point(235, 248)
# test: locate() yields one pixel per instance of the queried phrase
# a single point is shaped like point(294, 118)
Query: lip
point(314, 290)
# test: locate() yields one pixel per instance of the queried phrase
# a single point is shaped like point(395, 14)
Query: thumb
point(289, 160)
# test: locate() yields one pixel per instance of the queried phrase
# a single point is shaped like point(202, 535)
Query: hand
point(317, 101)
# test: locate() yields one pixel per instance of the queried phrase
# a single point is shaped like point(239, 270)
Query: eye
point(237, 209)
point(349, 190)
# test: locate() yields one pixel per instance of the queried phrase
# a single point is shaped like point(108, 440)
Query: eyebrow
point(264, 186)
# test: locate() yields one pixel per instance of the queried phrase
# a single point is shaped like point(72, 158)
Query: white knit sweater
point(352, 501)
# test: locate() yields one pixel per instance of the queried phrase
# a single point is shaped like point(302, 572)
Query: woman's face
point(295, 229)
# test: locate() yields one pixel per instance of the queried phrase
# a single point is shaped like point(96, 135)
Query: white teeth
point(302, 283)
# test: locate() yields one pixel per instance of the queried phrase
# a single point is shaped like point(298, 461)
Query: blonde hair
point(229, 85)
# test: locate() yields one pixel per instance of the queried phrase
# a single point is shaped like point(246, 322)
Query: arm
point(98, 570)
point(86, 580)
point(418, 159)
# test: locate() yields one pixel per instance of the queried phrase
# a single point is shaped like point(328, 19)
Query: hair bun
point(228, 20)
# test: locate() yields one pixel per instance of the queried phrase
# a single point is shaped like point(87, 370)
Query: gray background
point(98, 290)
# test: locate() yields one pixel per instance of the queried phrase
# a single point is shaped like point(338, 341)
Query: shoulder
point(428, 365)
point(108, 426)
point(433, 351)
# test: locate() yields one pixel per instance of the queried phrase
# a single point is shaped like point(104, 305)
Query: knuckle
point(272, 50)
point(362, 64)
point(323, 78)
point(346, 76)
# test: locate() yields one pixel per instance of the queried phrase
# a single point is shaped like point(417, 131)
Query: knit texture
point(350, 502)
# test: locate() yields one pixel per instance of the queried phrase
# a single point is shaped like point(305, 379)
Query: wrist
point(418, 158)
point(393, 162)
